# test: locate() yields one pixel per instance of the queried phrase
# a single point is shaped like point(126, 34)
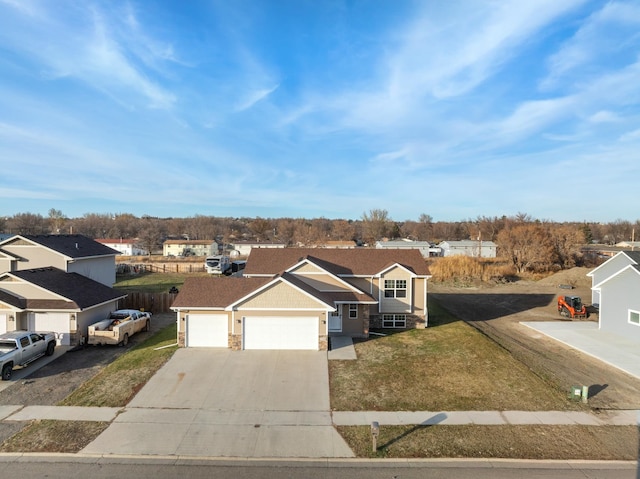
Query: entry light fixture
point(11, 318)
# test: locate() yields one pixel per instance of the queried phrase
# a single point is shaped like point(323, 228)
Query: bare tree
point(56, 221)
point(27, 224)
point(567, 244)
point(528, 247)
point(375, 225)
point(261, 228)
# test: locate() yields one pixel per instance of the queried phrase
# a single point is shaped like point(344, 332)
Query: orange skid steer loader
point(571, 307)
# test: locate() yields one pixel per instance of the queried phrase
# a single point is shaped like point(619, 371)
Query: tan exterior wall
point(307, 268)
point(363, 284)
point(35, 256)
point(27, 290)
point(355, 327)
point(396, 305)
point(281, 295)
point(5, 264)
point(323, 282)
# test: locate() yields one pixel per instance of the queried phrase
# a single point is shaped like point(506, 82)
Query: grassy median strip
point(515, 442)
point(120, 381)
point(449, 366)
point(54, 436)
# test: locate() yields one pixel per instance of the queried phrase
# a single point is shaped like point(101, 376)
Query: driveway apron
point(214, 402)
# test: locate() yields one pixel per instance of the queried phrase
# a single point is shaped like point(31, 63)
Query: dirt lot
point(55, 381)
point(497, 311)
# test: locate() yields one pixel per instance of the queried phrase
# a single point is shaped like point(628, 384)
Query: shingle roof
point(214, 292)
point(330, 297)
point(72, 246)
point(80, 290)
point(346, 262)
point(634, 255)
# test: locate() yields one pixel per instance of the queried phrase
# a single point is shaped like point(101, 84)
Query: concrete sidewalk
point(341, 348)
point(317, 418)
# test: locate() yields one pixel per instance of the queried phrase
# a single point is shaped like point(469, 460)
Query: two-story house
point(295, 298)
point(59, 283)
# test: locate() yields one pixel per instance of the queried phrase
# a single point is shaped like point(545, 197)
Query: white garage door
point(271, 332)
point(59, 323)
point(3, 323)
point(207, 331)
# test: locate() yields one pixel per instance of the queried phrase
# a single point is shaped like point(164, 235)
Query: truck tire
point(147, 326)
point(7, 369)
point(125, 340)
point(51, 347)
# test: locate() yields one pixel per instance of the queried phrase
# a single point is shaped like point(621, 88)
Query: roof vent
point(77, 246)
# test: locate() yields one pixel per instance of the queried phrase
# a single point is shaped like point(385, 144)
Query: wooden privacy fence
point(153, 302)
point(123, 268)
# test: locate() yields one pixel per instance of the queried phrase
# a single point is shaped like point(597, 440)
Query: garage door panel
point(274, 332)
point(56, 322)
point(207, 331)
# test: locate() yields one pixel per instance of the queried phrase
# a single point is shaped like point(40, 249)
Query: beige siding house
point(58, 283)
point(296, 298)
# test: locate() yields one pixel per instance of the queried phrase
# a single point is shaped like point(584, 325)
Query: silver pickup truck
point(19, 348)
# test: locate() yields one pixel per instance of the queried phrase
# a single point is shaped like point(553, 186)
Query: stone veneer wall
point(413, 321)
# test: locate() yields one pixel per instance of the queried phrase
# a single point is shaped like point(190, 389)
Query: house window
point(634, 317)
point(395, 288)
point(353, 311)
point(394, 321)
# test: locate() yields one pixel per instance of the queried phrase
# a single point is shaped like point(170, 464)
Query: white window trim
point(395, 288)
point(398, 320)
point(632, 311)
point(353, 308)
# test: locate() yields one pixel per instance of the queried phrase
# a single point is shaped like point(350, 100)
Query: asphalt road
point(53, 467)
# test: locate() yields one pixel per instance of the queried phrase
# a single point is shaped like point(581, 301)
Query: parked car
point(19, 348)
point(119, 327)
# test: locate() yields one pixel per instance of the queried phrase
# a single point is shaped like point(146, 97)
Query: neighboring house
point(70, 253)
point(189, 247)
point(295, 298)
point(615, 287)
point(49, 299)
point(425, 248)
point(126, 247)
point(473, 248)
point(608, 269)
point(243, 248)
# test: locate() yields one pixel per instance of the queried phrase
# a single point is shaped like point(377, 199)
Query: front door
point(335, 321)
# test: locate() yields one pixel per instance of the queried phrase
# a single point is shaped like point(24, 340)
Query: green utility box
point(576, 393)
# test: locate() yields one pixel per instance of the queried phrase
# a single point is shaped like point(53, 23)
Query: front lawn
point(447, 367)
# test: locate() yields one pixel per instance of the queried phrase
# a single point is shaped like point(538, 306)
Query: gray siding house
point(608, 269)
point(473, 248)
point(615, 289)
point(59, 283)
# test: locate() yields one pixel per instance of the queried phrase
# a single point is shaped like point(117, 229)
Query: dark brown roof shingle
point(346, 262)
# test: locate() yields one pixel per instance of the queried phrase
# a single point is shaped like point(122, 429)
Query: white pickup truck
point(19, 348)
point(119, 327)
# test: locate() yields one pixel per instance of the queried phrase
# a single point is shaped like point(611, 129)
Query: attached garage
point(3, 323)
point(59, 323)
point(207, 331)
point(276, 332)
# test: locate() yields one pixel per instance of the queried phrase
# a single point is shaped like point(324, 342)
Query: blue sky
point(295, 108)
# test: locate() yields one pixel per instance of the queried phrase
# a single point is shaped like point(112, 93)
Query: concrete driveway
point(209, 402)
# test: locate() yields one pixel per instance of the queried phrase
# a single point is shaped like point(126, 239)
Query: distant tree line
point(527, 242)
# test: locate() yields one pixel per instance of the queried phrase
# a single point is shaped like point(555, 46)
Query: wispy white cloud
point(253, 97)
